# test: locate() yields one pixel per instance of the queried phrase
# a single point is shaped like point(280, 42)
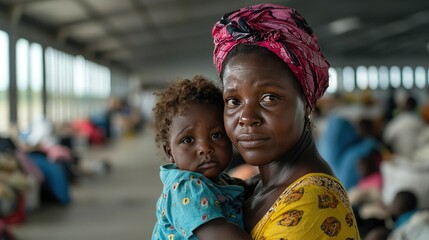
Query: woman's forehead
point(259, 67)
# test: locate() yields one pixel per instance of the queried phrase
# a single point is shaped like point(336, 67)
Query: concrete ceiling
point(151, 37)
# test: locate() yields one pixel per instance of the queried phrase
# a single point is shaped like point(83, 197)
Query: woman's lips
point(251, 140)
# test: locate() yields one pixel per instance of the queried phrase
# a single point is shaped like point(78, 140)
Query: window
point(348, 79)
point(36, 80)
point(407, 77)
point(333, 81)
point(76, 87)
point(373, 77)
point(59, 80)
point(362, 77)
point(22, 83)
point(395, 77)
point(29, 75)
point(383, 75)
point(420, 77)
point(4, 82)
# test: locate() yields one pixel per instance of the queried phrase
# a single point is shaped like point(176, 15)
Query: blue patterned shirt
point(189, 200)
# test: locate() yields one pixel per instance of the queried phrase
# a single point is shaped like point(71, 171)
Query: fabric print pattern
point(349, 219)
point(185, 201)
point(328, 200)
point(189, 200)
point(294, 196)
point(331, 226)
point(319, 194)
point(291, 218)
point(198, 182)
point(204, 202)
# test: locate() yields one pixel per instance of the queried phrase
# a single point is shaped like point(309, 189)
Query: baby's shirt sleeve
point(190, 202)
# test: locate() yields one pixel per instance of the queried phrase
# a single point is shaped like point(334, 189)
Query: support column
point(13, 93)
point(15, 16)
point(44, 89)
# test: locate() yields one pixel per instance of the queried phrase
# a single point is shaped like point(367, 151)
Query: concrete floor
point(118, 206)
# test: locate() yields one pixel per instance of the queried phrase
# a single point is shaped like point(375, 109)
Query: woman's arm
point(219, 228)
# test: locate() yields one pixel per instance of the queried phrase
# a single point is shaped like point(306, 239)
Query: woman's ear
point(167, 150)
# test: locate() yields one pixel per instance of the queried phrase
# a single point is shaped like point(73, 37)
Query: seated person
point(410, 222)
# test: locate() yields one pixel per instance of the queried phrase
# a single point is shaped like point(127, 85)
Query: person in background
point(400, 134)
point(199, 200)
point(410, 222)
point(366, 197)
point(405, 220)
point(273, 73)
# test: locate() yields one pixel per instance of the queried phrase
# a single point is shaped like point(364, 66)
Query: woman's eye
point(269, 98)
point(231, 102)
point(187, 140)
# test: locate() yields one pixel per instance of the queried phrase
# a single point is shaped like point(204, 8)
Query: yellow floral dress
point(315, 206)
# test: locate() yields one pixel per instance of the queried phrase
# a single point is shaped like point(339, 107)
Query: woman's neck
point(303, 158)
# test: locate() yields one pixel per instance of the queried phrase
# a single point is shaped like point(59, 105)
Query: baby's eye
point(232, 102)
point(217, 135)
point(187, 140)
point(269, 98)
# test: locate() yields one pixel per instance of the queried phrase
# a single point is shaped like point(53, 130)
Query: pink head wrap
point(283, 31)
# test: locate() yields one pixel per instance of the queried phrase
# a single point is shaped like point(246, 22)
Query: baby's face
point(198, 142)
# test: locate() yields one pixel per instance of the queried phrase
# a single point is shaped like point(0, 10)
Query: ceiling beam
point(28, 2)
point(93, 13)
point(151, 28)
point(372, 36)
point(143, 12)
point(71, 25)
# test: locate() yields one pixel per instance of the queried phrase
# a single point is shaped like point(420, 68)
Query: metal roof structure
point(155, 36)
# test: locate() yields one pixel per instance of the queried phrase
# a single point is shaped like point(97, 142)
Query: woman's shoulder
point(314, 191)
point(322, 180)
point(315, 200)
point(318, 185)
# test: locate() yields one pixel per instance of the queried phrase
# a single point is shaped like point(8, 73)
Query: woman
point(273, 73)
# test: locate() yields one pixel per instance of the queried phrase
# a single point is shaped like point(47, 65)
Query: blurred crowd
point(379, 149)
point(376, 143)
point(40, 164)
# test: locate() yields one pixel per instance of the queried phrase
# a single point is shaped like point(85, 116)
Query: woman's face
point(264, 114)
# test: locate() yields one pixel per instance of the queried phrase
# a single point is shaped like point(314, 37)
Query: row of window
point(362, 78)
point(75, 87)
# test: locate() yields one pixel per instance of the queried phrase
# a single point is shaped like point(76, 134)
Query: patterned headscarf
point(283, 31)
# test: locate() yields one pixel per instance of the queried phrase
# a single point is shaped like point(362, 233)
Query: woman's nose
point(249, 116)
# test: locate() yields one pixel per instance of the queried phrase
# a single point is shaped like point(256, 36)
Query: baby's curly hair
point(177, 96)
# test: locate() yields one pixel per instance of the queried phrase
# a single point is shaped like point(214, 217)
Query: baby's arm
point(219, 228)
point(194, 206)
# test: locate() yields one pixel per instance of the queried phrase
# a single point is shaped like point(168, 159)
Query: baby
point(198, 200)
